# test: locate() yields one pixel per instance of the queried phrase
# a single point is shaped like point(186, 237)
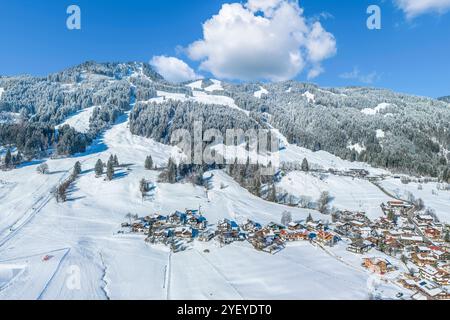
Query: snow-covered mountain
point(72, 249)
point(346, 122)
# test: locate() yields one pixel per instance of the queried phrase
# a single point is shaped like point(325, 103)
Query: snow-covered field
point(87, 259)
point(438, 200)
point(347, 193)
point(216, 86)
point(198, 96)
point(309, 96)
point(196, 85)
point(80, 120)
point(260, 92)
point(377, 109)
point(291, 153)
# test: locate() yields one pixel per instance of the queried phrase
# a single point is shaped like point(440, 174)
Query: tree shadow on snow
point(75, 199)
point(29, 163)
point(120, 175)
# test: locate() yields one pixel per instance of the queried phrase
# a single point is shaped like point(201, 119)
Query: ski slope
point(258, 94)
point(376, 110)
point(80, 120)
point(198, 96)
point(89, 260)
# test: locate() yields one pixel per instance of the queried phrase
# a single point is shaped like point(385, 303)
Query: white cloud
point(262, 39)
point(356, 74)
point(265, 6)
point(413, 8)
point(173, 69)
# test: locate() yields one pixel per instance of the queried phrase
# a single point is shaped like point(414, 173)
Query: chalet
point(345, 216)
point(392, 246)
point(138, 227)
point(162, 233)
point(394, 234)
point(398, 204)
point(375, 241)
point(314, 225)
point(365, 232)
point(361, 216)
point(275, 247)
point(158, 220)
point(357, 223)
point(294, 225)
point(228, 232)
point(360, 246)
point(206, 235)
point(347, 230)
point(378, 265)
point(192, 211)
point(438, 276)
point(439, 253)
point(424, 220)
point(432, 233)
point(423, 259)
point(419, 296)
point(227, 225)
point(431, 291)
point(275, 227)
point(251, 226)
point(312, 235)
point(422, 249)
point(443, 266)
point(358, 173)
point(326, 238)
point(410, 239)
point(179, 218)
point(197, 221)
point(293, 235)
point(266, 240)
point(184, 232)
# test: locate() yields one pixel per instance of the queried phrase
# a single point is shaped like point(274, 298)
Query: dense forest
point(385, 129)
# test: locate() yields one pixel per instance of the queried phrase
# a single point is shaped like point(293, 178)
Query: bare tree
point(286, 218)
point(42, 168)
point(143, 187)
point(323, 202)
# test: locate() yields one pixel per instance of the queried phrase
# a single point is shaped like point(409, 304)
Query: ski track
point(218, 272)
point(54, 274)
point(104, 280)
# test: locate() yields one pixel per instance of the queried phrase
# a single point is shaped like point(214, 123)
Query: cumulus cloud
point(413, 8)
point(262, 40)
point(173, 69)
point(356, 74)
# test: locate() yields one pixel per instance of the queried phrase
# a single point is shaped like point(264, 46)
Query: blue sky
point(408, 54)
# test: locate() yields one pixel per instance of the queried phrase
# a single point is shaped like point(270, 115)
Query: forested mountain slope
point(385, 129)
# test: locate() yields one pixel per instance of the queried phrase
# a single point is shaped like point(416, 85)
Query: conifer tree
point(148, 163)
point(99, 168)
point(77, 168)
point(172, 171)
point(110, 170)
point(305, 165)
point(8, 158)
